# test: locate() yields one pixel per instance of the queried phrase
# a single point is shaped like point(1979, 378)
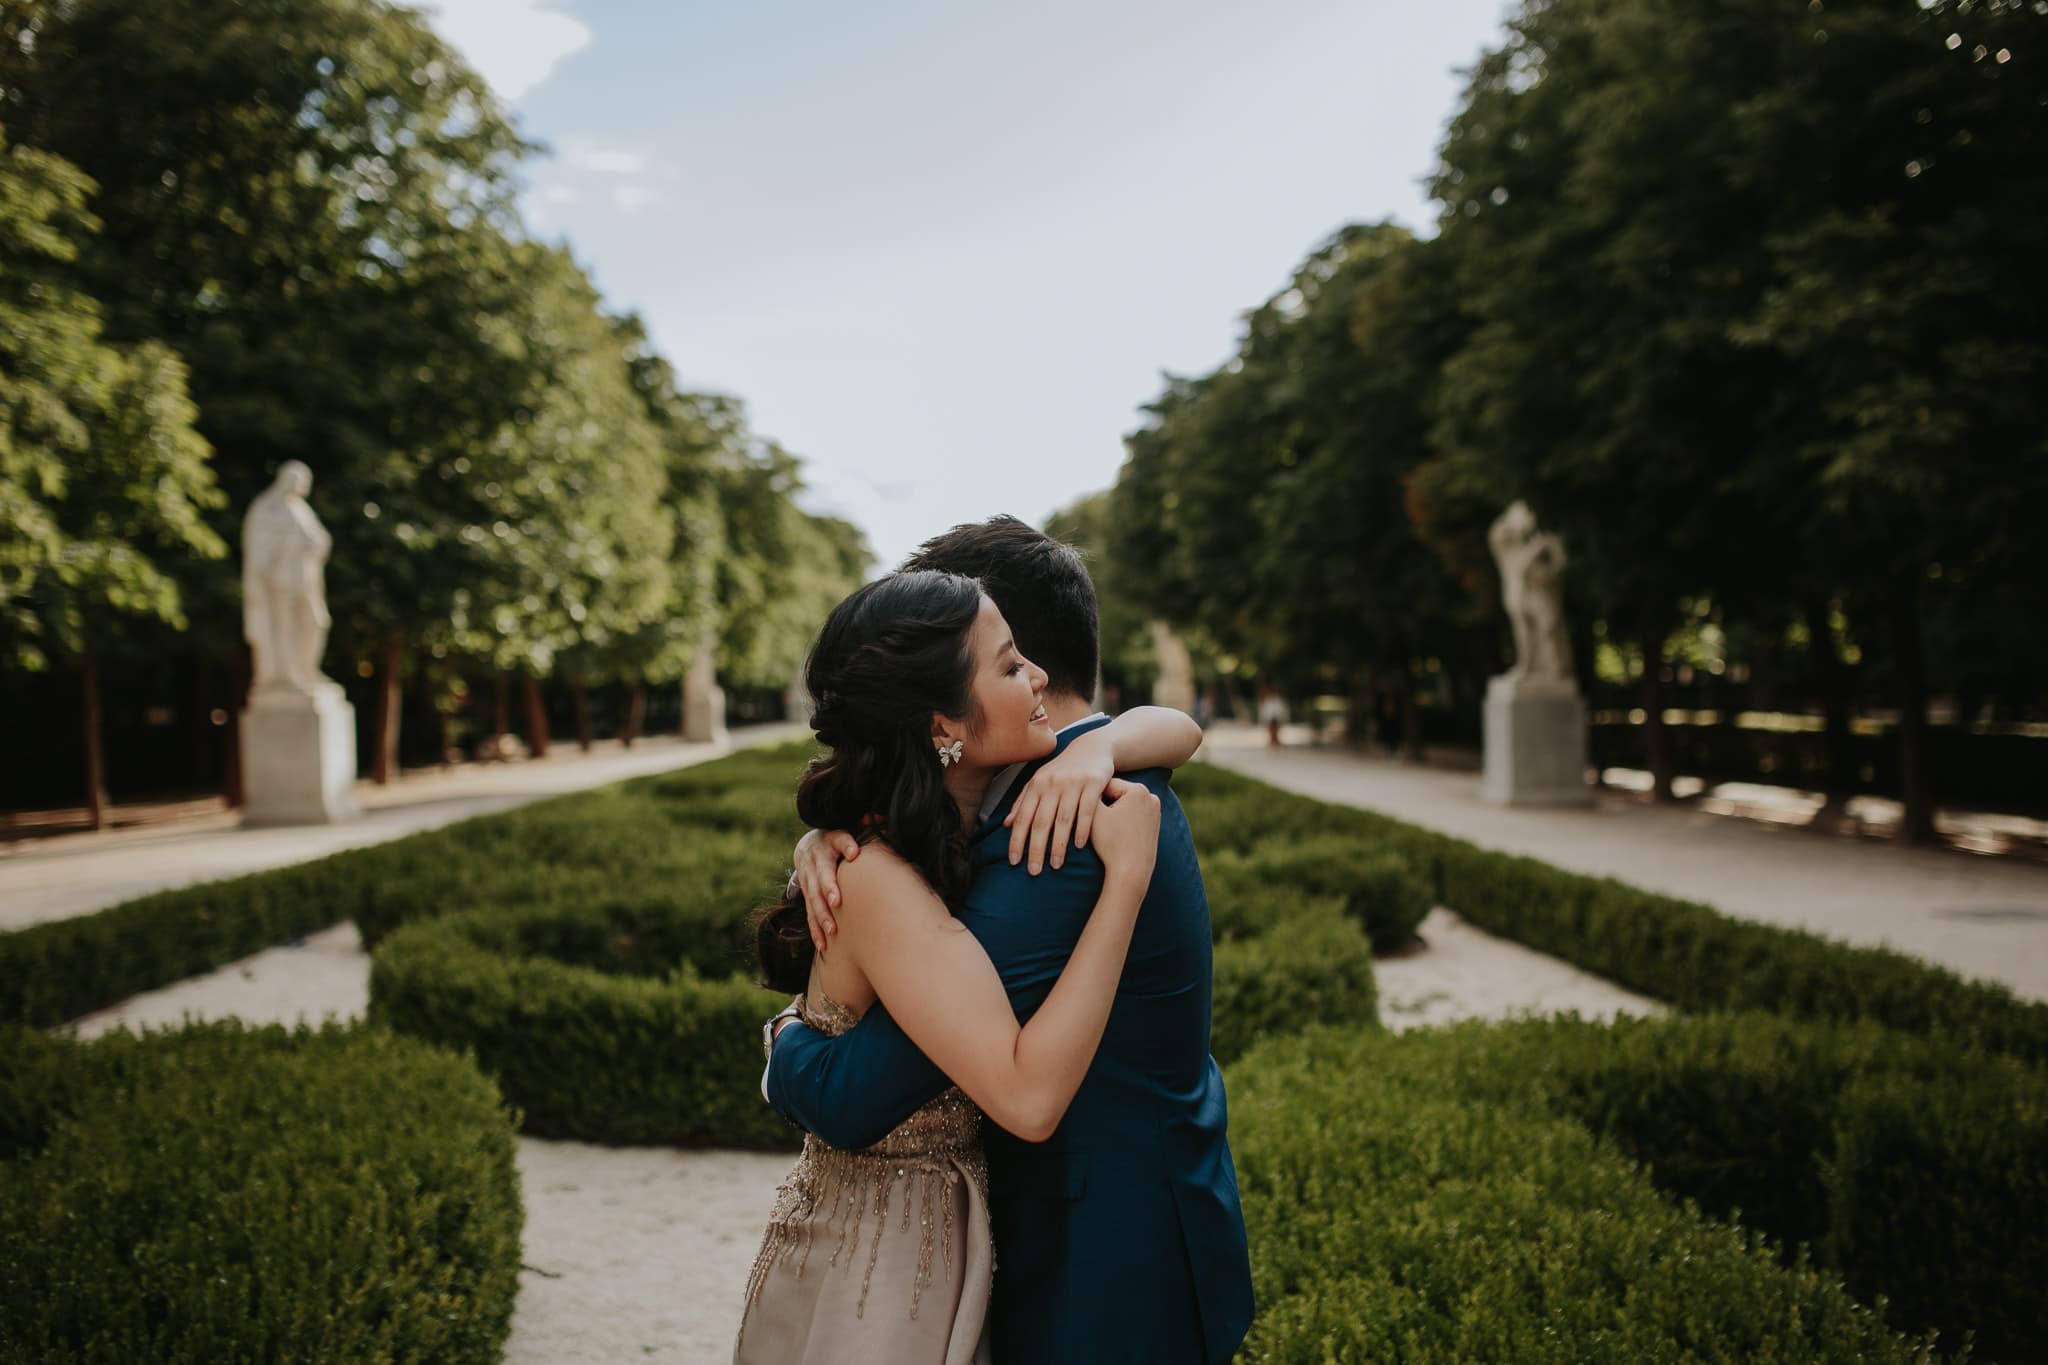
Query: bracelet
point(793, 1010)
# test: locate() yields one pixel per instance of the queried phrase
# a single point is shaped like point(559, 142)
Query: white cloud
point(559, 194)
point(631, 197)
point(515, 45)
point(609, 162)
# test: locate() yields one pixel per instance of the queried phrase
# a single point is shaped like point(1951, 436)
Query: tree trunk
point(536, 717)
point(1837, 748)
point(384, 766)
point(238, 697)
point(1656, 738)
point(636, 715)
point(95, 761)
point(501, 713)
point(447, 738)
point(1411, 722)
point(582, 716)
point(1915, 782)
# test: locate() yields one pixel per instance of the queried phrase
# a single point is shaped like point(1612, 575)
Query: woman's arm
point(942, 990)
point(1058, 800)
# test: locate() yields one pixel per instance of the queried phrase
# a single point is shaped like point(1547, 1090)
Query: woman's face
point(1008, 694)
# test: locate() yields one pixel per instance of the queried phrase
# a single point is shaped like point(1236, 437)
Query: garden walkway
point(1978, 915)
point(75, 874)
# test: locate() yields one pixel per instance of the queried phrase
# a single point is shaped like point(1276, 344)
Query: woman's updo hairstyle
point(889, 657)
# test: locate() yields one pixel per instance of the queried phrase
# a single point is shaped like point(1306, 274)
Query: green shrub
point(222, 1194)
point(1907, 1166)
point(623, 1041)
point(1392, 1215)
point(682, 832)
point(1938, 1191)
point(1315, 966)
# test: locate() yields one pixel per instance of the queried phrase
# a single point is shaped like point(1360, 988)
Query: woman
point(884, 1255)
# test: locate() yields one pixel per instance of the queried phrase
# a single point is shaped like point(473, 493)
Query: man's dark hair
point(1039, 585)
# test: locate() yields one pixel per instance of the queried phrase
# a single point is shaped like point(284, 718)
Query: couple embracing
point(1001, 951)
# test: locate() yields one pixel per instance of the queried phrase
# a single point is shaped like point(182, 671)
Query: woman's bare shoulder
point(883, 881)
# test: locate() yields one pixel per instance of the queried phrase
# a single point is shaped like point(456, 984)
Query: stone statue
point(1530, 562)
point(284, 598)
point(1175, 685)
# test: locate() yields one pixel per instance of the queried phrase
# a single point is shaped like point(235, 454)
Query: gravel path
point(1980, 916)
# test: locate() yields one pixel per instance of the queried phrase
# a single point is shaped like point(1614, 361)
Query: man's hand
point(1059, 804)
point(817, 858)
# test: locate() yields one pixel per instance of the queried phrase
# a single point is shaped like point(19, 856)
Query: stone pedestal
point(298, 757)
point(796, 701)
point(1535, 743)
point(704, 699)
point(1175, 686)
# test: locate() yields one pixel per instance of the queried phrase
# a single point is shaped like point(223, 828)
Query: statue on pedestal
point(1530, 562)
point(284, 597)
point(1175, 686)
point(1534, 718)
point(298, 732)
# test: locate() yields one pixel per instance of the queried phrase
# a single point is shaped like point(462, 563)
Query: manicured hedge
point(1248, 891)
point(1418, 1198)
point(1314, 966)
point(1685, 953)
point(588, 1027)
point(222, 1194)
point(680, 828)
point(1912, 1168)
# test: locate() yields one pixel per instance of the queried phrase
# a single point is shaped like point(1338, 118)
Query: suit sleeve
point(854, 1089)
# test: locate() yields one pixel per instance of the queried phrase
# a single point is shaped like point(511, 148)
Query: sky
point(945, 251)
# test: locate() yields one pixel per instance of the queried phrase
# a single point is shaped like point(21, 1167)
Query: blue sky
point(945, 250)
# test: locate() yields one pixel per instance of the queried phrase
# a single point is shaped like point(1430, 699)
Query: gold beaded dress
point(881, 1256)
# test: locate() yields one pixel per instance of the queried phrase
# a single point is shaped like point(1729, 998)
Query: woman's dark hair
point(890, 656)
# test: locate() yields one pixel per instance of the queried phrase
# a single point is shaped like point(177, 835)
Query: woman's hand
point(1127, 830)
point(817, 858)
point(1061, 802)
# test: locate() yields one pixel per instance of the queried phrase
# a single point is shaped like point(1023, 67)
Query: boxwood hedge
point(604, 1022)
point(572, 847)
point(225, 1194)
point(1426, 1198)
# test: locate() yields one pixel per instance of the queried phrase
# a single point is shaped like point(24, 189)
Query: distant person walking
point(1272, 713)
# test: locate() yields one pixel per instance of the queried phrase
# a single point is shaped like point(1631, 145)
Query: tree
point(104, 483)
point(1265, 506)
point(1757, 312)
point(310, 201)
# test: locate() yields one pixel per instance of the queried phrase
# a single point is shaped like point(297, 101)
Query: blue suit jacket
point(1120, 1239)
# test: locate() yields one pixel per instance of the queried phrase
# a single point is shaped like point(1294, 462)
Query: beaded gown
point(881, 1256)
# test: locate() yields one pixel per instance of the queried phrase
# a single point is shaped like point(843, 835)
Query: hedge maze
point(1829, 1154)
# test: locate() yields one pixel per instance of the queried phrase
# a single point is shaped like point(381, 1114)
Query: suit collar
point(1003, 788)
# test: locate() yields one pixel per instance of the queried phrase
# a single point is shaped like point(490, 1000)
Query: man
point(1120, 1238)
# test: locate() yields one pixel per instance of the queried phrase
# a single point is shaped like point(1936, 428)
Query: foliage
point(1420, 1197)
point(104, 483)
point(229, 1194)
point(1307, 964)
point(1265, 504)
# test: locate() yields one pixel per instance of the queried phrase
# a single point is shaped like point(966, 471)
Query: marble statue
point(284, 598)
point(1534, 720)
point(1530, 562)
point(1175, 685)
point(298, 732)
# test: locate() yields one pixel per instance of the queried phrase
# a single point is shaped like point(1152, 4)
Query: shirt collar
point(999, 785)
